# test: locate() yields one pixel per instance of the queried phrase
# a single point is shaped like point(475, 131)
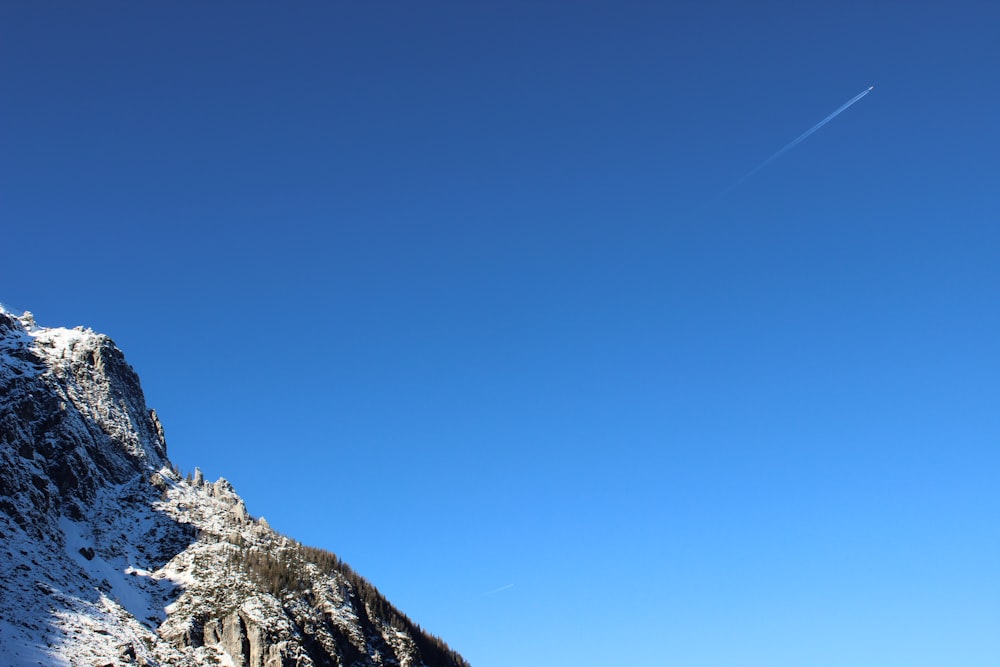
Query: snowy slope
point(109, 557)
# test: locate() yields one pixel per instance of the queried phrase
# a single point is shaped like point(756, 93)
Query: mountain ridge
point(113, 558)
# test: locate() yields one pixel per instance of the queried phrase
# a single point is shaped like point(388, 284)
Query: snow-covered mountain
point(109, 557)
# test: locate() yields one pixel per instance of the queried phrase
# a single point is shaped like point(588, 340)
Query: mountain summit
point(110, 557)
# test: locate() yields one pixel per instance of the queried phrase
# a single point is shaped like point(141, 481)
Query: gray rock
point(87, 494)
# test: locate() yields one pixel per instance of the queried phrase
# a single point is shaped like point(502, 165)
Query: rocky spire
point(113, 559)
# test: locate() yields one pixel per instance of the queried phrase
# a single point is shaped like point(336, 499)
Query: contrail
point(497, 590)
point(805, 135)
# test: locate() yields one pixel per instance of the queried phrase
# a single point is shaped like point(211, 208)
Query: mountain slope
point(110, 557)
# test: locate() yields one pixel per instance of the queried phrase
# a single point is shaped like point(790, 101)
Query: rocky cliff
point(109, 557)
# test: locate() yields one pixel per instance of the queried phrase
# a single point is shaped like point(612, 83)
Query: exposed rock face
point(111, 558)
point(72, 408)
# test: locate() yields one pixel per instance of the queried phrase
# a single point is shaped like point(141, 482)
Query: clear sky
point(463, 292)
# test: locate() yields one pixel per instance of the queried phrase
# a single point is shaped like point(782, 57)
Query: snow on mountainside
point(109, 557)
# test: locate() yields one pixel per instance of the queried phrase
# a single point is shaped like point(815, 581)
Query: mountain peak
point(116, 559)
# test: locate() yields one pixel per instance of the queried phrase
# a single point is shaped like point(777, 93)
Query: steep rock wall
point(114, 559)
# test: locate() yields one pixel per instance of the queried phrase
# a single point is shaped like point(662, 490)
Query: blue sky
point(463, 292)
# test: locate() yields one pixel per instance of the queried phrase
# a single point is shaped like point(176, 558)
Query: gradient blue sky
point(457, 290)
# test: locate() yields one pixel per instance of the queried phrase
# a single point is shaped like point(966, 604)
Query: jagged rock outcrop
point(112, 558)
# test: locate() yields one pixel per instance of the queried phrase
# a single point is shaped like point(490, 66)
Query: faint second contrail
point(497, 590)
point(805, 135)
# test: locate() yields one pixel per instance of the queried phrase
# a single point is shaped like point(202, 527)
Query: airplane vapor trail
point(497, 590)
point(805, 135)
